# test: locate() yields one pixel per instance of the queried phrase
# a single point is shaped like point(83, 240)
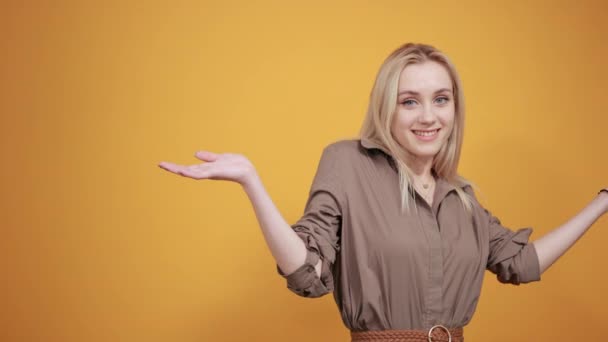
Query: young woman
point(389, 226)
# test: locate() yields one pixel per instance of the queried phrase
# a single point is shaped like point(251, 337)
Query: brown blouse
point(389, 270)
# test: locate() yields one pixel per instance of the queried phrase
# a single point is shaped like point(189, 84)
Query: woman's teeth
point(426, 133)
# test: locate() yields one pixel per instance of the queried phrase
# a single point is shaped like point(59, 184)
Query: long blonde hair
point(383, 105)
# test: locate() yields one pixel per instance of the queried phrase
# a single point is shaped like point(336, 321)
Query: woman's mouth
point(426, 135)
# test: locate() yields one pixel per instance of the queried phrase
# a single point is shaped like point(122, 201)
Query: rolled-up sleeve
point(319, 228)
point(512, 257)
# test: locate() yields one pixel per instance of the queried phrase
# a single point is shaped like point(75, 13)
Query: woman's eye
point(442, 100)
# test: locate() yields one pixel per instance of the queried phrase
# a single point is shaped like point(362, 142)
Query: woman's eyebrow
point(417, 93)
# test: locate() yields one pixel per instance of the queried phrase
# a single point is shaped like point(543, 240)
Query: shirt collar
point(442, 186)
point(369, 144)
point(442, 189)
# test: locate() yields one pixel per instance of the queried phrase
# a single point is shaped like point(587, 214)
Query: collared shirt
point(394, 270)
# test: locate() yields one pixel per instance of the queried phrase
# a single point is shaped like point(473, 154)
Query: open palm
point(224, 166)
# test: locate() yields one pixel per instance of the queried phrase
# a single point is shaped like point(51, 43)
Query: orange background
point(99, 244)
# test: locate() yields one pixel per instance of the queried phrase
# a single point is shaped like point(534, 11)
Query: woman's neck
point(422, 168)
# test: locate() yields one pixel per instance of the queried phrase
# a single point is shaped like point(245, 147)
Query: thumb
point(206, 156)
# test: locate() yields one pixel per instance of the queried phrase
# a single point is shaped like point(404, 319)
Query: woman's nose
point(428, 115)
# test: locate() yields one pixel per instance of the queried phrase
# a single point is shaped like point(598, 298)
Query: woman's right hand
point(224, 166)
point(286, 246)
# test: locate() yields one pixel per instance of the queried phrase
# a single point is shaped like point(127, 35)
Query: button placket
point(434, 293)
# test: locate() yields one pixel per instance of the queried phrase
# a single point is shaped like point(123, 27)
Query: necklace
point(427, 193)
point(426, 185)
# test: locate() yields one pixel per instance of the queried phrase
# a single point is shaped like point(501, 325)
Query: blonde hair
point(383, 105)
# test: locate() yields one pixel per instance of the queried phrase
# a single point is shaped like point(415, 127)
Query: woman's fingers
point(190, 171)
point(193, 171)
point(169, 166)
point(206, 156)
point(225, 166)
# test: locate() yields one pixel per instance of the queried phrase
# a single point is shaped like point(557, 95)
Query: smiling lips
point(426, 135)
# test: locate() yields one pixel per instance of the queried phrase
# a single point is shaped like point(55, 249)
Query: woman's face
point(425, 109)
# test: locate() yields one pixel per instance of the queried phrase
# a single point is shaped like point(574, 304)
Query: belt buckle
point(442, 327)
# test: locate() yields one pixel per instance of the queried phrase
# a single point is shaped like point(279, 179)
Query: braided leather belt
point(437, 333)
point(440, 327)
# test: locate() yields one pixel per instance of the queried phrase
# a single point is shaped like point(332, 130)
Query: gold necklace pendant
point(426, 186)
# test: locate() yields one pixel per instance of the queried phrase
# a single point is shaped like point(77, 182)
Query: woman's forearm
point(285, 245)
point(555, 243)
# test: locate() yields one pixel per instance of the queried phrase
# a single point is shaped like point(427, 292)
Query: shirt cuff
point(304, 281)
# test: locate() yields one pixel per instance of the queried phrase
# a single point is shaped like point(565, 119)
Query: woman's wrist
point(603, 196)
point(252, 183)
